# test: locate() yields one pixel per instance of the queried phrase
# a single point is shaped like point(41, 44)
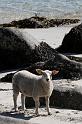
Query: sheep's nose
point(47, 79)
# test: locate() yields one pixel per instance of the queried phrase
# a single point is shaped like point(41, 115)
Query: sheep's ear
point(39, 71)
point(54, 72)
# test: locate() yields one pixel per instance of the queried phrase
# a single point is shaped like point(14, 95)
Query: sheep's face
point(47, 75)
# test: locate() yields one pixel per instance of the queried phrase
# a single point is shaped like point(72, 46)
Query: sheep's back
point(25, 81)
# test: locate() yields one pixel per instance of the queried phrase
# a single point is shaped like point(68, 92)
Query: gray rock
point(68, 69)
point(16, 48)
point(72, 42)
point(66, 94)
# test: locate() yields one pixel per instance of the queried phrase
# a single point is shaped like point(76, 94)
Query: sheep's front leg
point(47, 105)
point(36, 105)
point(23, 102)
point(15, 101)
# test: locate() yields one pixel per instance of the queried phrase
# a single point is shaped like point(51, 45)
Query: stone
point(17, 49)
point(72, 42)
point(65, 95)
point(68, 69)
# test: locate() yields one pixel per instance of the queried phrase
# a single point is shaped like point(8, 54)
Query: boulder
point(72, 42)
point(15, 49)
point(68, 69)
point(19, 49)
point(66, 94)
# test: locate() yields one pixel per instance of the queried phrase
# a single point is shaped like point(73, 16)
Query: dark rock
point(39, 22)
point(78, 59)
point(17, 51)
point(7, 78)
point(45, 52)
point(68, 99)
point(72, 42)
point(68, 69)
point(64, 96)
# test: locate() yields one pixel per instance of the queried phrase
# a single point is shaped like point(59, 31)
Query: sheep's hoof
point(16, 110)
point(37, 114)
point(49, 113)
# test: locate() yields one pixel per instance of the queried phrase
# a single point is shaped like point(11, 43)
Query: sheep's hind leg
point(15, 101)
point(23, 101)
point(36, 105)
point(47, 105)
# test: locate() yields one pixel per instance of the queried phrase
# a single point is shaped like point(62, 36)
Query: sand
point(59, 116)
point(54, 37)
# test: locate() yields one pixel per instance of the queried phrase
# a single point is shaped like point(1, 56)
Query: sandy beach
point(59, 116)
point(29, 22)
point(53, 36)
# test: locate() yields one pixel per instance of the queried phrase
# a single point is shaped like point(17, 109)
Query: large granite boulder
point(72, 42)
point(66, 94)
point(15, 49)
point(68, 69)
point(20, 49)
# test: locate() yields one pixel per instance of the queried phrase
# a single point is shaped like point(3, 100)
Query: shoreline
point(10, 10)
point(40, 22)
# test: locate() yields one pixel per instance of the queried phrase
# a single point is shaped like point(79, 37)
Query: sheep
point(34, 86)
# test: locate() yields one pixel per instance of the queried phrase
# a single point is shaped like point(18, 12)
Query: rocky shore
point(19, 50)
point(22, 51)
point(39, 22)
point(25, 52)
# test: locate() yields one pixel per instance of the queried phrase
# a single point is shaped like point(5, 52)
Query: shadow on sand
point(21, 115)
point(17, 115)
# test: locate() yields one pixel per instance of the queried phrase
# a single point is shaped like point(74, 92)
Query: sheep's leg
point(47, 105)
point(36, 105)
point(15, 101)
point(23, 102)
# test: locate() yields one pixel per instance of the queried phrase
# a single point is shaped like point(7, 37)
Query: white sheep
point(32, 85)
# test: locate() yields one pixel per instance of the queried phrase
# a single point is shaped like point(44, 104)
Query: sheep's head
point(47, 75)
